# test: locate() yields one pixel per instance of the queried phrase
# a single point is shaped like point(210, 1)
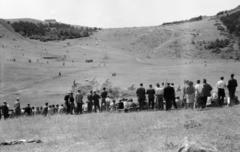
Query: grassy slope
point(137, 55)
point(127, 132)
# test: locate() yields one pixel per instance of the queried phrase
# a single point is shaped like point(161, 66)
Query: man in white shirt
point(198, 94)
point(221, 85)
point(159, 96)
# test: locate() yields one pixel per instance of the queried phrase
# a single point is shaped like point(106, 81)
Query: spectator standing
point(104, 95)
point(198, 94)
point(221, 85)
point(141, 95)
point(96, 98)
point(17, 107)
point(151, 94)
point(206, 92)
point(5, 110)
point(90, 101)
point(159, 96)
point(232, 85)
point(79, 102)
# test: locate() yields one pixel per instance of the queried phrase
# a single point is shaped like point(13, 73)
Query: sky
point(113, 13)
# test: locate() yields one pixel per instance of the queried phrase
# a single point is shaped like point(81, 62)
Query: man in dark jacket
point(90, 101)
point(96, 98)
point(141, 95)
point(104, 96)
point(151, 94)
point(28, 110)
point(232, 85)
point(71, 101)
point(206, 92)
point(5, 110)
point(67, 103)
point(79, 102)
point(168, 95)
point(174, 96)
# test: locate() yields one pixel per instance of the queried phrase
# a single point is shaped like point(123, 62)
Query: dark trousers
point(199, 102)
point(159, 101)
point(103, 104)
point(221, 95)
point(174, 103)
point(89, 106)
point(5, 116)
point(79, 108)
point(151, 103)
point(232, 93)
point(168, 104)
point(96, 106)
point(141, 103)
point(204, 102)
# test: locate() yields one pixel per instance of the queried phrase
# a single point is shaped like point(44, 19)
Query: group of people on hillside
point(161, 97)
point(17, 111)
point(194, 96)
point(74, 104)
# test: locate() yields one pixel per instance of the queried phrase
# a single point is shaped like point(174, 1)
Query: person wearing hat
point(17, 107)
point(5, 110)
point(232, 85)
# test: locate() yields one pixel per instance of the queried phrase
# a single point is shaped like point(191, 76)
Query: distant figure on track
point(141, 95)
point(232, 85)
point(151, 93)
point(221, 85)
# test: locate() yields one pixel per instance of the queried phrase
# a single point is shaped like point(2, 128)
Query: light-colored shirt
point(159, 91)
point(198, 88)
point(221, 84)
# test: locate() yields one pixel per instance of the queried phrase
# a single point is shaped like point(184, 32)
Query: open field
point(125, 132)
point(146, 55)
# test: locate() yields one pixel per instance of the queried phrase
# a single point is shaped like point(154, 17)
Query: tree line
point(51, 31)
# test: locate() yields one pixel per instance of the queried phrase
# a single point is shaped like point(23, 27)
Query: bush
point(217, 44)
point(232, 22)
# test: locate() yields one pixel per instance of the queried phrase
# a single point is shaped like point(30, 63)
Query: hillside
point(192, 49)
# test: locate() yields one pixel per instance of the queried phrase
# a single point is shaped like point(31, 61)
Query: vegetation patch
point(51, 31)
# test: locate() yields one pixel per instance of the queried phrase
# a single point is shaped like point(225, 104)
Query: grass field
point(126, 132)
